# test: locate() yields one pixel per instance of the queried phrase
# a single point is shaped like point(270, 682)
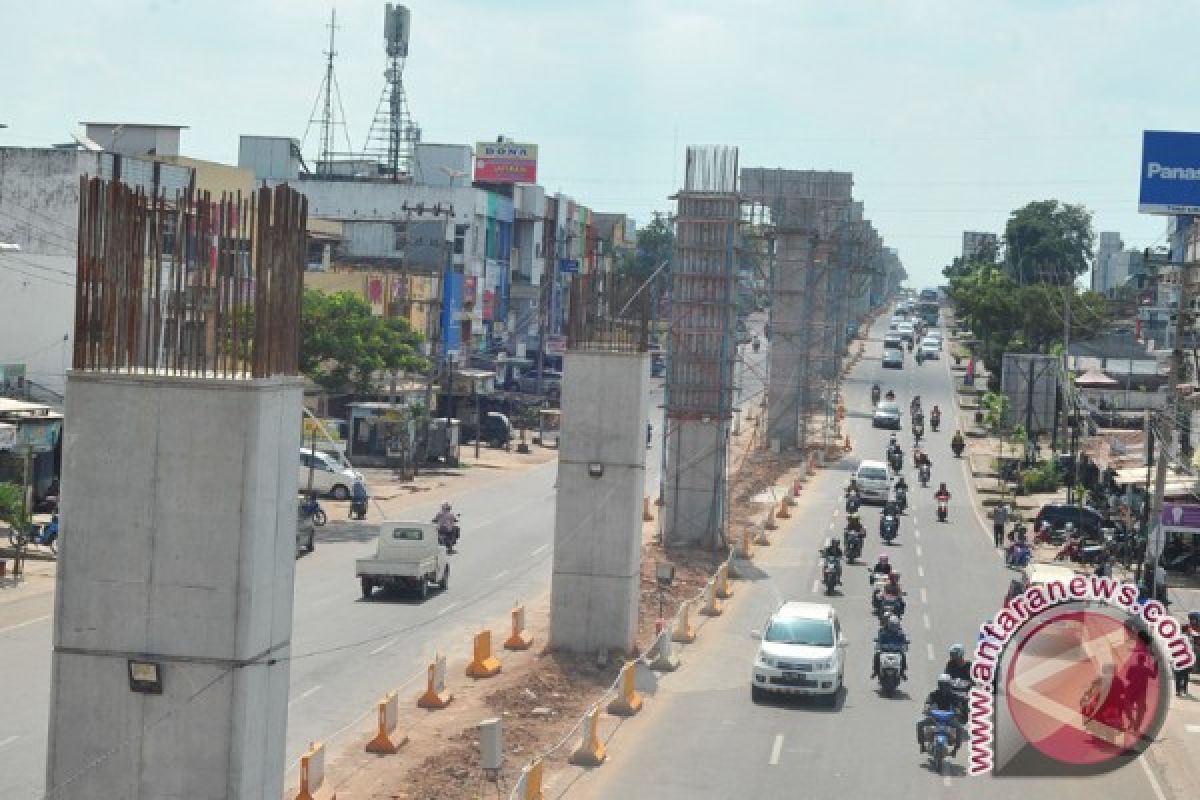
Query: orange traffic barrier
point(712, 603)
point(812, 464)
point(683, 630)
point(389, 719)
point(483, 663)
point(724, 588)
point(590, 752)
point(746, 549)
point(627, 702)
point(646, 515)
point(520, 638)
point(435, 695)
point(797, 485)
point(312, 771)
point(783, 509)
point(846, 444)
point(530, 783)
point(770, 523)
point(761, 538)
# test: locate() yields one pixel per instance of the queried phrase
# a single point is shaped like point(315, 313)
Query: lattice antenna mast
point(394, 134)
point(331, 115)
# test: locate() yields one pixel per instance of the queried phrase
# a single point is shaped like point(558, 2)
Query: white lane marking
point(920, 571)
point(928, 624)
point(916, 534)
point(831, 524)
point(1192, 728)
point(816, 585)
point(24, 624)
point(499, 574)
point(383, 646)
point(308, 693)
point(539, 550)
point(929, 651)
point(924, 597)
point(776, 750)
point(1158, 792)
point(946, 781)
point(835, 512)
point(8, 741)
point(918, 551)
point(449, 608)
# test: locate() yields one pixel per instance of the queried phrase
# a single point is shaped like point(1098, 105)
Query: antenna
point(394, 134)
point(331, 117)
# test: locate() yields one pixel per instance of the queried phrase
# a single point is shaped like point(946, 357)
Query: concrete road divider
point(627, 702)
point(770, 523)
point(591, 750)
point(312, 771)
point(529, 785)
point(520, 639)
point(665, 659)
point(712, 603)
point(483, 663)
point(435, 695)
point(389, 718)
point(647, 516)
point(724, 588)
point(783, 509)
point(682, 630)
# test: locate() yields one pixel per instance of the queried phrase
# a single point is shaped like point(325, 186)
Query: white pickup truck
point(407, 556)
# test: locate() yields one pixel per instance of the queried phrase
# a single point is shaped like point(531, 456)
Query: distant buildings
point(1104, 269)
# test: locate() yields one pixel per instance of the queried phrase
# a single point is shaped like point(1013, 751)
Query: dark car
point(1088, 521)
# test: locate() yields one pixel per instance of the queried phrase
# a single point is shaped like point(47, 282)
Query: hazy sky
point(950, 113)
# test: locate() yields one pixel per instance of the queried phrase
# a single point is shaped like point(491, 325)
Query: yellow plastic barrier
point(761, 539)
point(520, 638)
point(627, 702)
point(770, 523)
point(723, 588)
point(746, 548)
point(529, 786)
point(435, 695)
point(712, 603)
point(483, 663)
point(683, 630)
point(591, 751)
point(312, 771)
point(783, 509)
point(647, 516)
point(389, 719)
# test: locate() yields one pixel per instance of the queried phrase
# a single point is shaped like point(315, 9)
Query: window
point(400, 236)
point(460, 239)
point(873, 474)
point(793, 630)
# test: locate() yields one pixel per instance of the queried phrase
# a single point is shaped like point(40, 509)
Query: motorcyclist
point(359, 496)
point(943, 698)
point(915, 406)
point(875, 391)
point(921, 458)
point(833, 549)
point(942, 493)
point(957, 667)
point(891, 636)
point(891, 395)
point(935, 417)
point(957, 443)
point(882, 567)
point(891, 595)
point(852, 487)
point(854, 522)
point(447, 521)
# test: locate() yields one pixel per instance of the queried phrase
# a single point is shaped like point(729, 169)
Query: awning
point(1095, 379)
point(1178, 483)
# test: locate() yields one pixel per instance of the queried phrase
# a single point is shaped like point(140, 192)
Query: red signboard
point(489, 303)
point(505, 162)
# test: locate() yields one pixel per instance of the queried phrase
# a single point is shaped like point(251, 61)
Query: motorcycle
point(901, 499)
point(942, 510)
point(891, 662)
point(874, 396)
point(853, 542)
point(924, 475)
point(889, 528)
point(918, 432)
point(44, 535)
point(943, 733)
point(935, 419)
point(448, 536)
point(896, 460)
point(853, 502)
point(958, 445)
point(358, 509)
point(756, 344)
point(920, 357)
point(830, 569)
point(311, 508)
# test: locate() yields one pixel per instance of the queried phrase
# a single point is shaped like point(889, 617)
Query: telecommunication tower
point(327, 112)
point(394, 134)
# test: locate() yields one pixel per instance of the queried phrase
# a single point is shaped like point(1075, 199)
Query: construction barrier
point(846, 444)
point(812, 464)
point(770, 522)
point(797, 485)
point(529, 785)
point(721, 582)
point(783, 512)
point(627, 702)
point(683, 631)
point(665, 659)
point(389, 719)
point(312, 771)
point(591, 750)
point(435, 695)
point(745, 547)
point(483, 663)
point(520, 638)
point(646, 515)
point(712, 603)
point(761, 537)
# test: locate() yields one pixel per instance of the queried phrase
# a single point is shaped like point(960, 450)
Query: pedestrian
point(999, 517)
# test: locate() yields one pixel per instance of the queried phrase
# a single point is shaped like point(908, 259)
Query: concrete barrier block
point(591, 752)
point(665, 659)
point(312, 771)
point(627, 702)
point(483, 663)
point(385, 741)
point(520, 639)
point(435, 695)
point(682, 631)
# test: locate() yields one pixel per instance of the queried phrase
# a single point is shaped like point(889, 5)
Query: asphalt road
point(346, 652)
point(700, 735)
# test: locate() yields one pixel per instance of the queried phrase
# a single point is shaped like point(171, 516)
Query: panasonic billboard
point(1170, 182)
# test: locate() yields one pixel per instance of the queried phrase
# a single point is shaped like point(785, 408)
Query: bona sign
point(1170, 182)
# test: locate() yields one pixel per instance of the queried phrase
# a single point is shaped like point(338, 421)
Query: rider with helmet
point(943, 698)
point(957, 667)
point(891, 637)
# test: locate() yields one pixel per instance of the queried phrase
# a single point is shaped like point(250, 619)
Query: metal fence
point(189, 285)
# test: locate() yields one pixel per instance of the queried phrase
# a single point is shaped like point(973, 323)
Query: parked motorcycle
point(874, 396)
point(896, 459)
point(311, 508)
point(918, 432)
point(943, 510)
point(831, 569)
point(853, 502)
point(44, 535)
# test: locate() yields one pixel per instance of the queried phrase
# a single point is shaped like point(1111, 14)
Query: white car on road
point(802, 651)
point(930, 347)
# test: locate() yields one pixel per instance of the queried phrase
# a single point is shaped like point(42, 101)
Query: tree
point(12, 507)
point(1048, 242)
point(655, 243)
point(343, 344)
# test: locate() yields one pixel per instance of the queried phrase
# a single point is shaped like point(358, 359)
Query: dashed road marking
point(8, 741)
point(816, 585)
point(929, 651)
point(1192, 728)
point(918, 551)
point(538, 551)
point(776, 750)
point(916, 534)
point(920, 571)
point(499, 574)
point(383, 646)
point(928, 624)
point(308, 693)
point(924, 596)
point(449, 608)
point(26, 623)
point(946, 781)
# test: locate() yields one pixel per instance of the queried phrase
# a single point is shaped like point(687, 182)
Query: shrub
point(1042, 478)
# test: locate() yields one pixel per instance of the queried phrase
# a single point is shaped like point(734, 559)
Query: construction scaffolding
point(701, 349)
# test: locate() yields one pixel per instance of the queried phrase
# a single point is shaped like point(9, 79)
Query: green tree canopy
point(343, 344)
point(1048, 242)
point(655, 243)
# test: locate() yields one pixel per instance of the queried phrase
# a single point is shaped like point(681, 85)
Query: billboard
point(505, 162)
point(1170, 179)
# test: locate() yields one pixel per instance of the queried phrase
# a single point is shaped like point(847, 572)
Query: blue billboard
point(1170, 181)
point(452, 306)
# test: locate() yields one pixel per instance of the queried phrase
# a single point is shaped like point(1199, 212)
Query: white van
point(874, 480)
point(328, 475)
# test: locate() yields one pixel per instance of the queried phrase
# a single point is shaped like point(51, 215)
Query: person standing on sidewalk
point(999, 517)
point(1192, 632)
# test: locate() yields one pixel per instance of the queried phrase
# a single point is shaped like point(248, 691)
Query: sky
point(950, 114)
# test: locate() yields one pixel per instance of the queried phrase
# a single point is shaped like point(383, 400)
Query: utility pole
point(439, 304)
